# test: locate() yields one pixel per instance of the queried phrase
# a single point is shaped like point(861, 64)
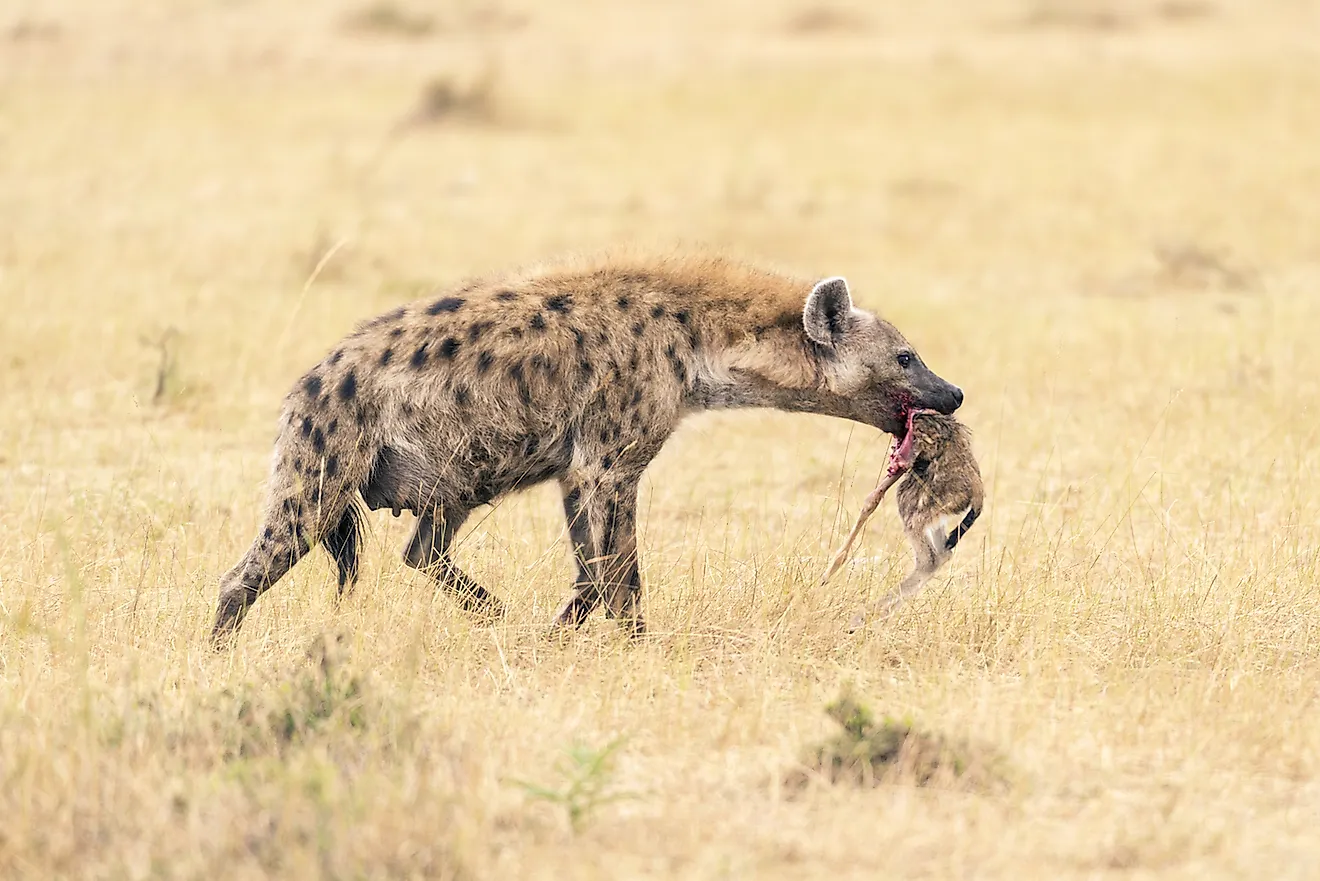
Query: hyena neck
point(775, 369)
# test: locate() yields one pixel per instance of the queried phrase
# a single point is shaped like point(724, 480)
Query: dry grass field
point(1100, 218)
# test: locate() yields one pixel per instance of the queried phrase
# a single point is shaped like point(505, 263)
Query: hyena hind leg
point(428, 551)
point(299, 514)
point(271, 556)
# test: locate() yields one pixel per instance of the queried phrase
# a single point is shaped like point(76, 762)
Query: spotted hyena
point(576, 373)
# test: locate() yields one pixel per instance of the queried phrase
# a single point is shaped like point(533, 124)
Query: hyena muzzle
point(577, 373)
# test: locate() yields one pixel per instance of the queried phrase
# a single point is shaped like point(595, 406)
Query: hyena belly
point(420, 478)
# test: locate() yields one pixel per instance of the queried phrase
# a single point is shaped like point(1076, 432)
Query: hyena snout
point(953, 399)
point(934, 393)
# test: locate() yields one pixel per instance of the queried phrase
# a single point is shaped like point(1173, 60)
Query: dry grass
point(1133, 626)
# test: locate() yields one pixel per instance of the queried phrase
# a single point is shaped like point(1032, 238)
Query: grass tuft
point(870, 752)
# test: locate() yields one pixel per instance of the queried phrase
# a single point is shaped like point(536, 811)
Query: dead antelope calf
point(576, 373)
point(939, 499)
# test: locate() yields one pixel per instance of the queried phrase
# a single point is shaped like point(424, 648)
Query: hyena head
point(869, 365)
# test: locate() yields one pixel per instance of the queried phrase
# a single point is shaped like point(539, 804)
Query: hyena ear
point(825, 316)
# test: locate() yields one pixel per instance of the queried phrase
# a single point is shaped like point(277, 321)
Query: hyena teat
point(939, 499)
point(577, 373)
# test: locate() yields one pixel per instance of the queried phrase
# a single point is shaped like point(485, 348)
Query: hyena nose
point(957, 397)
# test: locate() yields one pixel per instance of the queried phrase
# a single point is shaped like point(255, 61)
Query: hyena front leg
point(610, 509)
point(428, 551)
point(586, 592)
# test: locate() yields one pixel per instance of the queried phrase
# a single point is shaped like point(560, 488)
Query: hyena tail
point(344, 543)
point(958, 531)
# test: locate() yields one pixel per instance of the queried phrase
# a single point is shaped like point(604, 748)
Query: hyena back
point(576, 373)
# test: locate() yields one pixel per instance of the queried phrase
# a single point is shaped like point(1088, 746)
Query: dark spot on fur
point(607, 462)
point(385, 357)
point(462, 396)
point(682, 317)
point(449, 348)
point(484, 360)
point(297, 463)
point(623, 303)
point(348, 387)
point(396, 332)
point(559, 303)
point(516, 333)
point(334, 359)
point(636, 398)
point(306, 427)
point(579, 338)
point(290, 505)
point(657, 311)
point(516, 371)
point(585, 368)
point(267, 533)
point(633, 362)
point(419, 357)
point(332, 427)
point(476, 330)
point(537, 322)
point(639, 328)
point(318, 441)
point(331, 466)
point(605, 435)
point(506, 296)
point(445, 304)
point(313, 385)
point(531, 445)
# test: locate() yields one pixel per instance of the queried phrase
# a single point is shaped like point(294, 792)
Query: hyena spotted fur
point(576, 373)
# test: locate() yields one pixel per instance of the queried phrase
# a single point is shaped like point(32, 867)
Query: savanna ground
point(1101, 219)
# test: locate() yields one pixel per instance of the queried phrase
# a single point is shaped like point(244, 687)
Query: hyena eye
point(904, 359)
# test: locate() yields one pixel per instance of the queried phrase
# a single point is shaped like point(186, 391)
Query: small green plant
point(868, 752)
point(586, 773)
